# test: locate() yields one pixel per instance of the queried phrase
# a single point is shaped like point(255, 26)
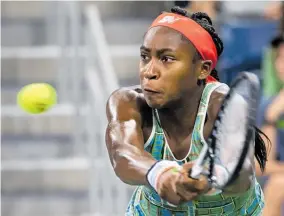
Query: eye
point(144, 57)
point(168, 59)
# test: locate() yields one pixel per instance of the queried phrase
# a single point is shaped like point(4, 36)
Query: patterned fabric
point(146, 202)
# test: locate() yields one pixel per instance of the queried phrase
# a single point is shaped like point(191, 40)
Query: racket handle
point(196, 172)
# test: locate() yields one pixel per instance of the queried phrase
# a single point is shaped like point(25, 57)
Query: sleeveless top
point(145, 200)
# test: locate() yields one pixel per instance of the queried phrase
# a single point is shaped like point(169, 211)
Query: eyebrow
point(160, 51)
point(145, 48)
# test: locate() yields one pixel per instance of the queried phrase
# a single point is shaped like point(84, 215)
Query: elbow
point(118, 169)
point(116, 163)
point(120, 166)
point(122, 177)
point(119, 174)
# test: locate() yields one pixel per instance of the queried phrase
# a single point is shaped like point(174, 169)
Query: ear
point(206, 68)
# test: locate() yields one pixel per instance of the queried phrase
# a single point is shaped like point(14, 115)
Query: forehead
point(161, 37)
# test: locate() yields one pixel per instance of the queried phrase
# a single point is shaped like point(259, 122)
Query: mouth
point(151, 91)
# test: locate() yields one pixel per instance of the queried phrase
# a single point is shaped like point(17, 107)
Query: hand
point(199, 186)
point(175, 186)
point(167, 186)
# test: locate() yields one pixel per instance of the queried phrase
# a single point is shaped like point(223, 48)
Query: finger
point(184, 183)
point(187, 166)
point(199, 185)
point(168, 194)
point(187, 196)
point(172, 198)
point(185, 189)
point(202, 184)
point(190, 187)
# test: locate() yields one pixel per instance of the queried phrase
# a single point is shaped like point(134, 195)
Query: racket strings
point(230, 133)
point(233, 132)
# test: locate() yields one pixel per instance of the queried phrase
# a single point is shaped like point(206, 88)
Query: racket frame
point(208, 150)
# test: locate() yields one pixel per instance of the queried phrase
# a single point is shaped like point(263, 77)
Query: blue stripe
point(252, 207)
point(139, 210)
point(166, 212)
point(157, 148)
point(243, 211)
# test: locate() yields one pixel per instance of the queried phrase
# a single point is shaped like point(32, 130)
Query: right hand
point(176, 187)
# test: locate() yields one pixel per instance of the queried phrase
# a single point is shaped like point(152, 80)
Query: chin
point(155, 104)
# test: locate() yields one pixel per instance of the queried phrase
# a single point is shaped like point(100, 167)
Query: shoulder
point(126, 93)
point(125, 102)
point(216, 100)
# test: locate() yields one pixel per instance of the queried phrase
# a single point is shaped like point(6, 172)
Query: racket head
point(233, 133)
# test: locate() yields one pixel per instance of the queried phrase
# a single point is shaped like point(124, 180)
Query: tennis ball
point(36, 98)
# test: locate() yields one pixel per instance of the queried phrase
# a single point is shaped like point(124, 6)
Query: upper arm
point(124, 129)
point(215, 102)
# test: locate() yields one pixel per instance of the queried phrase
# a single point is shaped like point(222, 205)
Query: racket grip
point(195, 173)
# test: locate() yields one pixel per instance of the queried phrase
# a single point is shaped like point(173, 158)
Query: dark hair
point(260, 151)
point(204, 20)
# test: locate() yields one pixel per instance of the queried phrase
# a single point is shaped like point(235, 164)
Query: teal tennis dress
point(146, 202)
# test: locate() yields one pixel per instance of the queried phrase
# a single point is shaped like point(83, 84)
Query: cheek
point(184, 78)
point(179, 81)
point(141, 69)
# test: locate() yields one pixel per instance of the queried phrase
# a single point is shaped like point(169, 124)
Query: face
point(167, 70)
point(279, 62)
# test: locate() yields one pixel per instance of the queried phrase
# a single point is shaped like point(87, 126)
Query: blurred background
point(56, 164)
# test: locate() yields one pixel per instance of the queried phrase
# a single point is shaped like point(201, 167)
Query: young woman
point(154, 130)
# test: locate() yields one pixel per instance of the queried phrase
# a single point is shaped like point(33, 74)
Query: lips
point(151, 91)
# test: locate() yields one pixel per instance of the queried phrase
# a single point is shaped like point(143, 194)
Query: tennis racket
point(224, 153)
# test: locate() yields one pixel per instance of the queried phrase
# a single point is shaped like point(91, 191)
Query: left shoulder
point(216, 99)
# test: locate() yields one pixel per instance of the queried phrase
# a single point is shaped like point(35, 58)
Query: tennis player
point(155, 131)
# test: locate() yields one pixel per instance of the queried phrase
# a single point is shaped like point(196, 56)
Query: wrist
point(158, 169)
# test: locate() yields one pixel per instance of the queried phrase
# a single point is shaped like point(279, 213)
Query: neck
point(178, 120)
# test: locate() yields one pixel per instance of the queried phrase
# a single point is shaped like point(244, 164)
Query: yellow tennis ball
point(37, 97)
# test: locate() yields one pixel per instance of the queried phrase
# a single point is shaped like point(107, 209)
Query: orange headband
point(198, 36)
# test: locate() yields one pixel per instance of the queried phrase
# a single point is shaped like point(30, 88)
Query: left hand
point(194, 187)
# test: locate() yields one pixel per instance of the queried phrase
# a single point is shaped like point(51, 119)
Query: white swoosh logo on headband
point(169, 19)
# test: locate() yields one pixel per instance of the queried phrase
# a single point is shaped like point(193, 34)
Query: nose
point(151, 71)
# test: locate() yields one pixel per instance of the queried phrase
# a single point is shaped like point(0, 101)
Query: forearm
point(131, 165)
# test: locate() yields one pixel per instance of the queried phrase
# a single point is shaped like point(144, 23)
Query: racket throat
point(198, 167)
